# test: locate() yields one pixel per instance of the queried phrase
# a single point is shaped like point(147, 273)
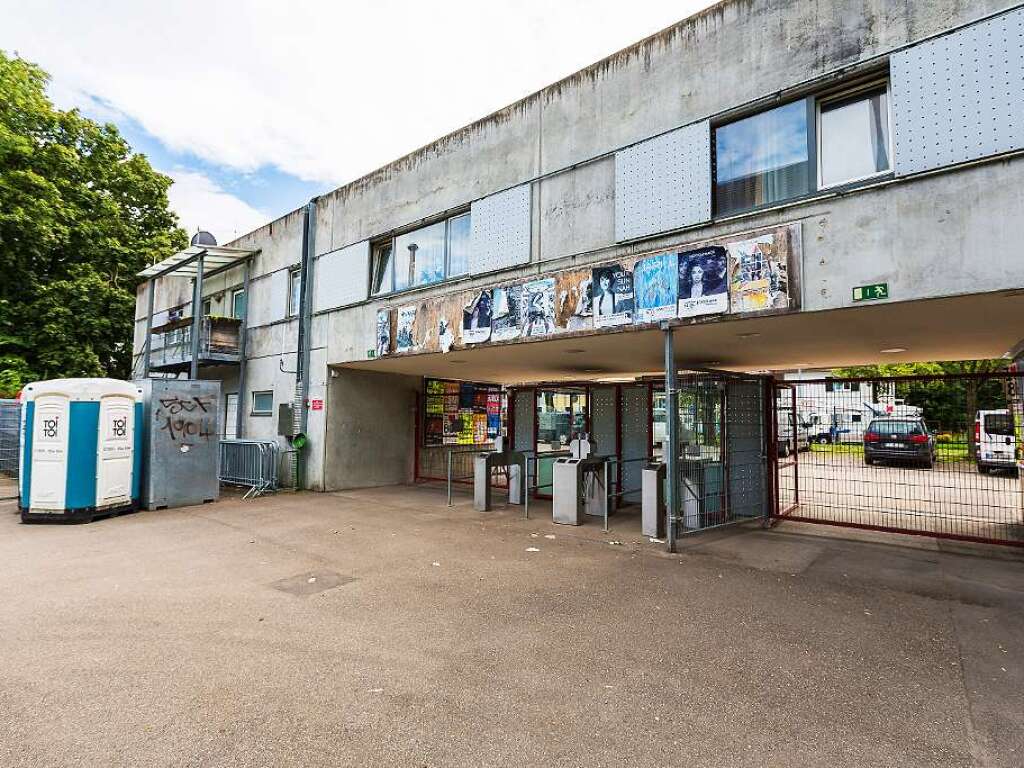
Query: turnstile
point(484, 464)
point(652, 500)
point(579, 488)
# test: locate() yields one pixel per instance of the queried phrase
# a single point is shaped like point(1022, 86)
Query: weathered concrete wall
point(371, 434)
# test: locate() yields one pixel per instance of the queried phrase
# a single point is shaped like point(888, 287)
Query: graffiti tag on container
point(176, 405)
point(186, 427)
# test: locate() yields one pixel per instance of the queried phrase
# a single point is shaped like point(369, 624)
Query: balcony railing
point(171, 345)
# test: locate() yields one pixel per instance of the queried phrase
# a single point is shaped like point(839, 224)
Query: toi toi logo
point(120, 427)
point(50, 427)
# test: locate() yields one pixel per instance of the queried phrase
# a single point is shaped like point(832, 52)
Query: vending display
point(461, 413)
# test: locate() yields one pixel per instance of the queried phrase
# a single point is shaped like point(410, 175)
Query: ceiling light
point(892, 350)
point(751, 335)
point(456, 362)
point(575, 351)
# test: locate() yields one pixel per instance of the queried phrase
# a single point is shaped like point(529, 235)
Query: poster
point(461, 413)
point(575, 302)
point(758, 274)
point(703, 282)
point(506, 313)
point(383, 332)
point(655, 287)
point(539, 307)
point(404, 341)
point(445, 337)
point(613, 296)
point(476, 319)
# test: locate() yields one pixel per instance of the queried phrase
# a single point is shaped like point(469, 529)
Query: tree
point(948, 404)
point(80, 215)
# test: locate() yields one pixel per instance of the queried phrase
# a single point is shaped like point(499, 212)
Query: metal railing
point(218, 340)
point(251, 464)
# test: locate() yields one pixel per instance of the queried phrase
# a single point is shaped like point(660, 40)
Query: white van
point(995, 442)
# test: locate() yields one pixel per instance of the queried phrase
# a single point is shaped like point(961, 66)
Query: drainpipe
point(305, 317)
point(147, 350)
point(197, 317)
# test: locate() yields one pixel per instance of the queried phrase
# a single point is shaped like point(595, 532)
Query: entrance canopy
point(956, 328)
point(185, 263)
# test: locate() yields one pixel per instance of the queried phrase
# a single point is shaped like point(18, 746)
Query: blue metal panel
point(663, 183)
point(959, 97)
point(137, 453)
point(26, 454)
point(82, 444)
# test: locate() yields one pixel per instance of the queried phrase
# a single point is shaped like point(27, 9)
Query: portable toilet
point(80, 449)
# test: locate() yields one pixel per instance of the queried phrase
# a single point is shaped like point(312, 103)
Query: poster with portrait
point(506, 313)
point(404, 341)
point(758, 274)
point(655, 287)
point(538, 306)
point(613, 296)
point(703, 282)
point(476, 319)
point(383, 332)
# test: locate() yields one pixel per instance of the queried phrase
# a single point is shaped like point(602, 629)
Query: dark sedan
point(893, 439)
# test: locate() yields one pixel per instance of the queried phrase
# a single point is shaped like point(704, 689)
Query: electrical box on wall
point(286, 420)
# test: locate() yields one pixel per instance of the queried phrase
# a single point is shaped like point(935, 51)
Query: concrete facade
point(949, 233)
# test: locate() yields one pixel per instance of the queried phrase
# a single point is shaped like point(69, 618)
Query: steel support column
point(672, 435)
point(197, 317)
point(148, 346)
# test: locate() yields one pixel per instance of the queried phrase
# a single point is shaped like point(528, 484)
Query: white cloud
point(201, 204)
point(324, 91)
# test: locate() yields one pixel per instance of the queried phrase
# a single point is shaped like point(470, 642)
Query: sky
point(254, 107)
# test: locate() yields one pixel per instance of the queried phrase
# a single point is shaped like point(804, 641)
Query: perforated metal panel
point(745, 440)
point(663, 183)
point(602, 419)
point(500, 230)
point(636, 413)
point(959, 97)
point(523, 405)
point(342, 277)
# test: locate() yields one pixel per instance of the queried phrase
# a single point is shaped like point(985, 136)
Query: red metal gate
point(923, 455)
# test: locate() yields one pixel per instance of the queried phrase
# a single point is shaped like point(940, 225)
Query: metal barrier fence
point(251, 464)
point(925, 455)
point(10, 447)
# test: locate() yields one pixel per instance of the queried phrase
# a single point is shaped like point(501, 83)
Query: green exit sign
point(871, 292)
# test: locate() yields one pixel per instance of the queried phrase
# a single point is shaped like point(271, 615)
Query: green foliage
point(80, 214)
point(948, 405)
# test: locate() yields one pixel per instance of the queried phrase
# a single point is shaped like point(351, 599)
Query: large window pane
point(854, 140)
point(238, 304)
point(419, 257)
point(458, 245)
point(762, 159)
point(382, 277)
point(294, 288)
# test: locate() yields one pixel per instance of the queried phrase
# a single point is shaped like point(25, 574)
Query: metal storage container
point(80, 449)
point(180, 442)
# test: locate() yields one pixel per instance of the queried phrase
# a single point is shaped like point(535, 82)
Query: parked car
point(903, 439)
point(995, 441)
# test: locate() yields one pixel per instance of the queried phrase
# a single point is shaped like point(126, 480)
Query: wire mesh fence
point(930, 455)
point(10, 445)
point(724, 426)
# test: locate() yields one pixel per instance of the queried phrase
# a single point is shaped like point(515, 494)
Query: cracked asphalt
point(380, 627)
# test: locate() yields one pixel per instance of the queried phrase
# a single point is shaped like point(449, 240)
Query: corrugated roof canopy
point(183, 263)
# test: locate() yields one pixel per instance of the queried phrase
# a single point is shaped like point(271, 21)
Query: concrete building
point(836, 182)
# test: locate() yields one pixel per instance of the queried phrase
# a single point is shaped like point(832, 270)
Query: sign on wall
point(703, 282)
point(656, 286)
point(613, 296)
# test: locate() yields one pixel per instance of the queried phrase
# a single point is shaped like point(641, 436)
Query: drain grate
point(312, 582)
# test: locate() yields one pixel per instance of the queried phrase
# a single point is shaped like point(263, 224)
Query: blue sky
point(254, 106)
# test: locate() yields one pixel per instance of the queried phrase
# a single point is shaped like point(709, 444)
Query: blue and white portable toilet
point(80, 451)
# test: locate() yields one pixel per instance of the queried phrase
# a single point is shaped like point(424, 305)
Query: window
point(763, 159)
point(263, 403)
point(231, 415)
point(238, 303)
point(382, 274)
point(853, 132)
point(458, 245)
point(294, 292)
point(423, 256)
point(207, 308)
